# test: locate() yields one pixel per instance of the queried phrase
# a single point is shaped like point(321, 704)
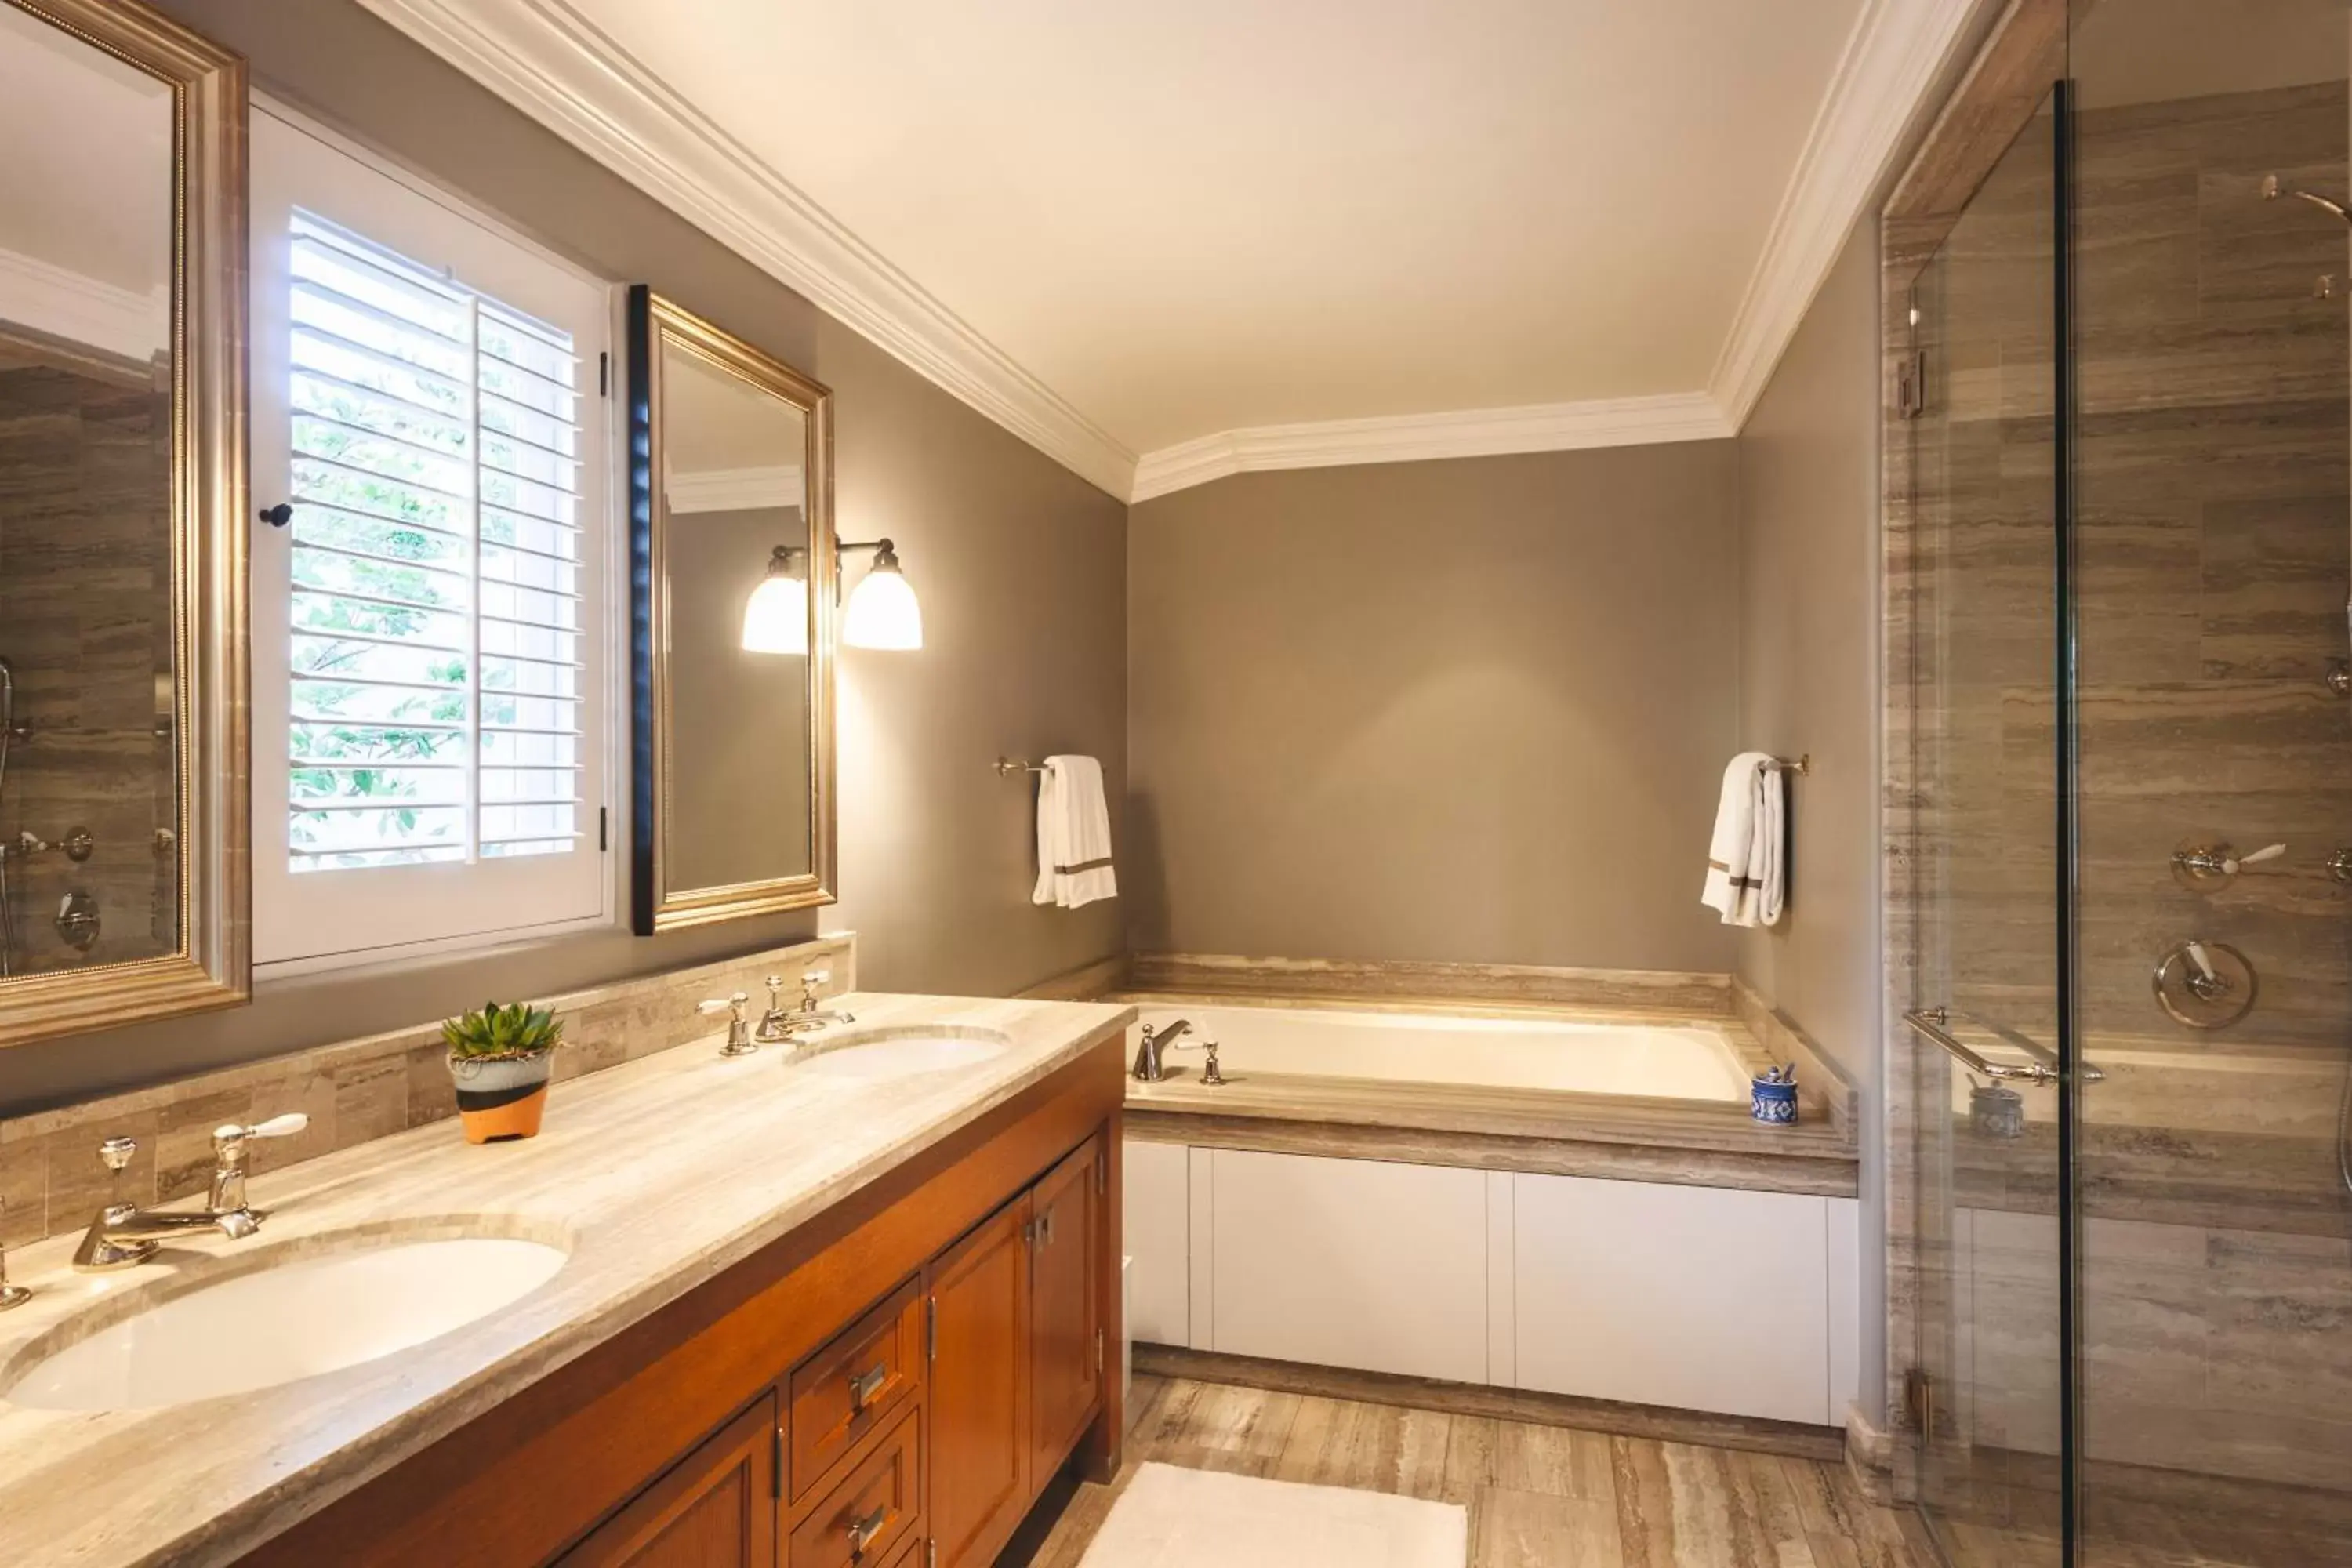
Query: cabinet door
point(716, 1507)
point(978, 1302)
point(1065, 1353)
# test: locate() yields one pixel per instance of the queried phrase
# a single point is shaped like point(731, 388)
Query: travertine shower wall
point(2212, 429)
point(86, 624)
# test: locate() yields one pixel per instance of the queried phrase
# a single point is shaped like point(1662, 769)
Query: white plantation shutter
point(439, 697)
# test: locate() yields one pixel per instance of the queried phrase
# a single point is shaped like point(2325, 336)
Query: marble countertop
point(655, 1177)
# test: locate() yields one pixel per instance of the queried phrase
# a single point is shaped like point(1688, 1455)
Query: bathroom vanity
point(815, 1309)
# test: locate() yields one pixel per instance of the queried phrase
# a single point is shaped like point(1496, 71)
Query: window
point(430, 620)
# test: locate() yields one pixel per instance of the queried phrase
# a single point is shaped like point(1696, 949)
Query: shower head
point(2273, 191)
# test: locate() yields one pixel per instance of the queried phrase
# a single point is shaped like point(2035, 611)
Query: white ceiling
point(1127, 227)
point(1187, 219)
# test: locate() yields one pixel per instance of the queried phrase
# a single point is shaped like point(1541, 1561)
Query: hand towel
point(1745, 882)
point(1073, 834)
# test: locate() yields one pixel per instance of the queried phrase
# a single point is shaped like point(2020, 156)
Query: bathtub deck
point(1694, 1143)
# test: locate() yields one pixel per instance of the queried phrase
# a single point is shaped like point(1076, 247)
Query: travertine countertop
point(656, 1177)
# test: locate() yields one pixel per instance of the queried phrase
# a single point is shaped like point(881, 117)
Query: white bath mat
point(1171, 1517)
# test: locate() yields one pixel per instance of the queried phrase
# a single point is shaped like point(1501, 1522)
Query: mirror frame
point(656, 905)
point(212, 966)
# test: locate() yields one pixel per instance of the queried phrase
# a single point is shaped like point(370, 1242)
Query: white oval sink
point(314, 1314)
point(901, 1056)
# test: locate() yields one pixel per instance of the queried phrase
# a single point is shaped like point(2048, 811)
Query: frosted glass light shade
point(883, 612)
point(776, 619)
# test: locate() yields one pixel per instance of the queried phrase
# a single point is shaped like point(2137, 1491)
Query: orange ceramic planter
point(515, 1119)
point(501, 1098)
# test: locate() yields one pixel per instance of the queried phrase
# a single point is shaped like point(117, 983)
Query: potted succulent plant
point(500, 1058)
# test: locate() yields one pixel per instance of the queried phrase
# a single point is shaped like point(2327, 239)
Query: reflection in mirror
point(732, 610)
point(734, 492)
point(89, 781)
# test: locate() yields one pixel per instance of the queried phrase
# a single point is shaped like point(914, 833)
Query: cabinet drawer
point(852, 1385)
point(872, 1510)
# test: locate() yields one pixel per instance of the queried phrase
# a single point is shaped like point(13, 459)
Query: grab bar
point(1931, 1023)
point(2045, 1055)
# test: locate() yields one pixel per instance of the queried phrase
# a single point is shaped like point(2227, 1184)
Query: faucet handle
point(735, 1003)
point(118, 1153)
point(232, 1137)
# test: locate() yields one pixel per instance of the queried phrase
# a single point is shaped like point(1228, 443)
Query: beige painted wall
point(1472, 709)
point(1808, 619)
point(1020, 564)
point(1808, 656)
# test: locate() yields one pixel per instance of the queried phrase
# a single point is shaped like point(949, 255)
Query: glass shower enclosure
point(2126, 735)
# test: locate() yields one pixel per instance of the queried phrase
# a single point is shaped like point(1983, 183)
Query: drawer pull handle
point(862, 1531)
point(865, 1388)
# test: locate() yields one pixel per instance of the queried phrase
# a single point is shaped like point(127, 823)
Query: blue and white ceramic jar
point(1774, 1102)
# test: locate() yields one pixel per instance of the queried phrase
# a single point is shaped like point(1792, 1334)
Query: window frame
point(603, 622)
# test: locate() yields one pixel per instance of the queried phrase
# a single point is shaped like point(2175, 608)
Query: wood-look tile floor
point(1539, 1497)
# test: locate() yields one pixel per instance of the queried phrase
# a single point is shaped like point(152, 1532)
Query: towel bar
point(1007, 765)
point(1803, 765)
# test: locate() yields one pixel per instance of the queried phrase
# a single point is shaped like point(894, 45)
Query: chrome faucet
point(739, 1027)
point(776, 1023)
point(1150, 1063)
point(11, 1295)
point(124, 1234)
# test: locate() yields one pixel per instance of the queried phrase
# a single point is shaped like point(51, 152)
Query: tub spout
point(1151, 1062)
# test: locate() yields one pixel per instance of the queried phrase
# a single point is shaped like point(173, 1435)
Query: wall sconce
point(883, 612)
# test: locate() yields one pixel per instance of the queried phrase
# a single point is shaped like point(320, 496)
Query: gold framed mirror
point(124, 525)
point(733, 566)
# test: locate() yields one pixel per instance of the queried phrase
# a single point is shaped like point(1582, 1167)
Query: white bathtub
point(1676, 1062)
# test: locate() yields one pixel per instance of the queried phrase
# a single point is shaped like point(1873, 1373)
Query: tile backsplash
point(353, 1091)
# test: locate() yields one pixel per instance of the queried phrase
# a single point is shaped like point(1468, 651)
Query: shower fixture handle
point(2197, 864)
point(2204, 984)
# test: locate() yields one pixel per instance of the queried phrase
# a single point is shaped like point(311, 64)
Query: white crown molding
point(1896, 53)
point(548, 61)
point(78, 310)
point(733, 489)
point(1418, 438)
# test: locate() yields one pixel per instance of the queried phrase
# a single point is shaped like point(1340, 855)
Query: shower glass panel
point(2211, 438)
point(1981, 579)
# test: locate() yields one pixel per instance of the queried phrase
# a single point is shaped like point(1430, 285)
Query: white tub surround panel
point(1309, 1268)
point(1845, 1308)
point(1200, 1212)
point(1502, 1301)
point(1727, 1301)
point(1157, 1210)
point(1698, 1297)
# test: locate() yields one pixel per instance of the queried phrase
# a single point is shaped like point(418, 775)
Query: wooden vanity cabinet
point(980, 1392)
point(1066, 1328)
point(891, 1385)
point(715, 1509)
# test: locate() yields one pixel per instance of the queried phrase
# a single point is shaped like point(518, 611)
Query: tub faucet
point(124, 1234)
point(1150, 1065)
